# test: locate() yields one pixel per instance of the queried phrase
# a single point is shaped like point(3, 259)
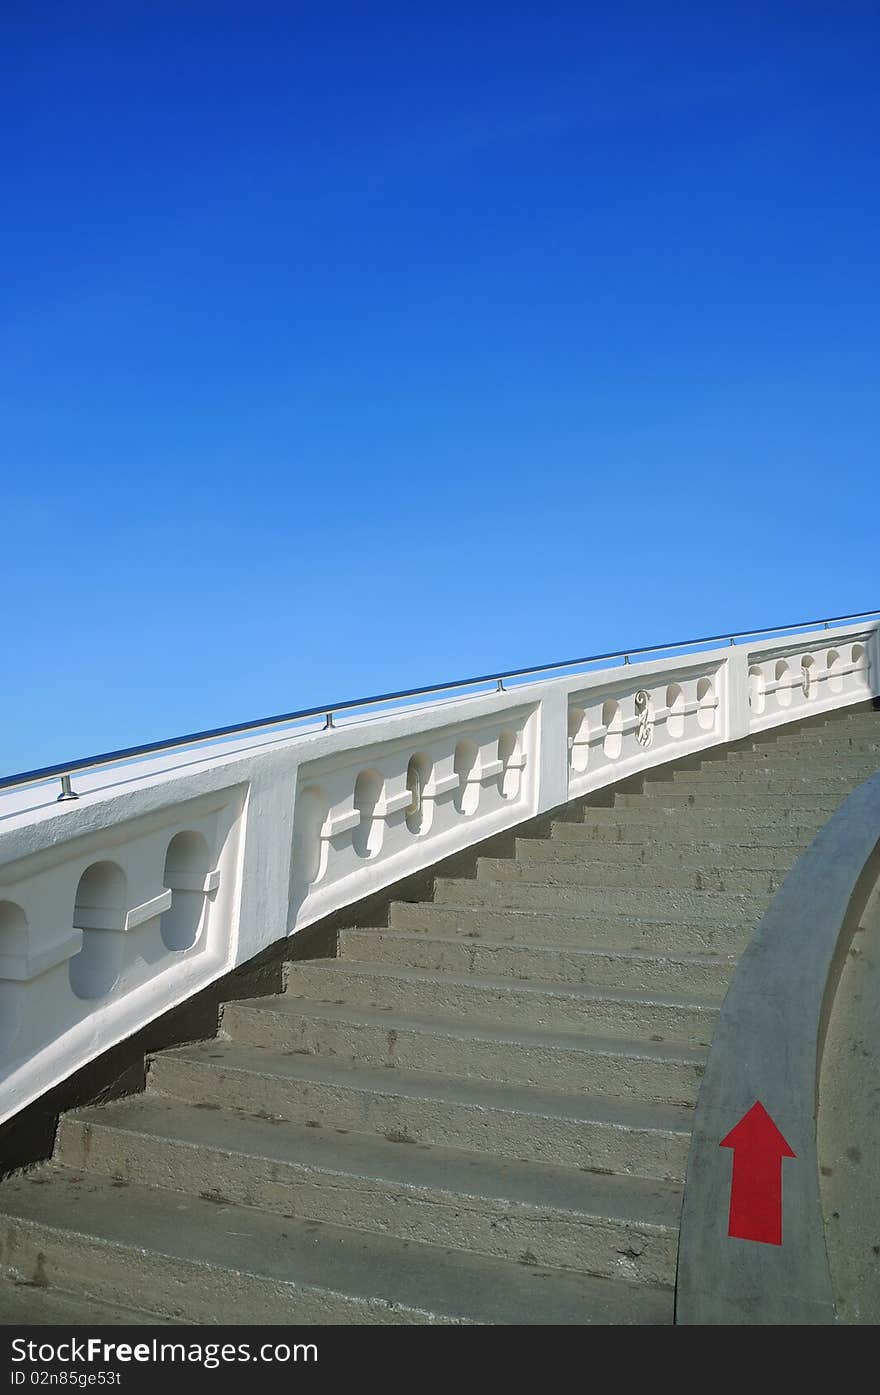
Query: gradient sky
point(353, 347)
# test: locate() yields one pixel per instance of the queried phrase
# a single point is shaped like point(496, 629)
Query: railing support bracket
point(66, 791)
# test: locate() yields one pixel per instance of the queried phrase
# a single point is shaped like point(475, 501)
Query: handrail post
point(66, 791)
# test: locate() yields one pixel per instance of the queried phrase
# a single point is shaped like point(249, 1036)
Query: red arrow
point(756, 1186)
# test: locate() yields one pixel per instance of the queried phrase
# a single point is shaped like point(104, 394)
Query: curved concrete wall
point(849, 1126)
point(768, 1049)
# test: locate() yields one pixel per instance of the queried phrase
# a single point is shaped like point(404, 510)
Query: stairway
point(479, 1112)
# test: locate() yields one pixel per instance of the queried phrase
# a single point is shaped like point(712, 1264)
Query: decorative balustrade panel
point(112, 923)
point(162, 876)
point(623, 726)
point(352, 817)
point(789, 680)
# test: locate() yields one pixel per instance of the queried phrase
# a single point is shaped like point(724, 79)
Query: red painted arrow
point(756, 1186)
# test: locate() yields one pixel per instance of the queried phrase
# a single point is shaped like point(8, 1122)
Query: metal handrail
point(65, 770)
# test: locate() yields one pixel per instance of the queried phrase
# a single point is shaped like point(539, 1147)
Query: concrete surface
point(768, 1047)
point(848, 1126)
point(479, 1111)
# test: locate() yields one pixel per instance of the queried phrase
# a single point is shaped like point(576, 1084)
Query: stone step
point(717, 820)
point(175, 1255)
point(556, 1006)
point(804, 727)
point(411, 1107)
point(855, 712)
point(30, 1303)
point(830, 741)
point(631, 874)
point(754, 787)
point(744, 773)
point(774, 763)
point(849, 720)
point(664, 827)
point(719, 857)
point(703, 975)
point(729, 798)
point(496, 1087)
point(823, 759)
point(520, 1055)
point(678, 936)
point(561, 1218)
point(661, 903)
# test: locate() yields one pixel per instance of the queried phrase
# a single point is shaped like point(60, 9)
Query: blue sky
point(349, 348)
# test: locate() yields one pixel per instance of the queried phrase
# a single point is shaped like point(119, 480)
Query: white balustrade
point(165, 874)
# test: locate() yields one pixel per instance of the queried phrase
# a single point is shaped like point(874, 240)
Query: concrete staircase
point(479, 1112)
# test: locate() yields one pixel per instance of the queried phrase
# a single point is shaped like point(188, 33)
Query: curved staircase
point(479, 1112)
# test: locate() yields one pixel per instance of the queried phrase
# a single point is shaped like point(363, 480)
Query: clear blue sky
point(351, 347)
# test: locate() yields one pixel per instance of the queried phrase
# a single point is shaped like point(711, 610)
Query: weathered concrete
point(466, 1116)
point(687, 936)
point(697, 975)
point(861, 742)
point(792, 827)
point(546, 1126)
point(646, 859)
point(848, 1126)
point(623, 1228)
point(658, 902)
point(558, 1006)
point(572, 871)
point(818, 762)
point(672, 796)
point(656, 1072)
point(24, 1303)
point(131, 1241)
point(767, 1047)
point(754, 788)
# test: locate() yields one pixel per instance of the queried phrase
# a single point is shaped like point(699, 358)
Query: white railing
point(164, 875)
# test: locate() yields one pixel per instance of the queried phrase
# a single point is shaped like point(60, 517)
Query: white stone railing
point(164, 875)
